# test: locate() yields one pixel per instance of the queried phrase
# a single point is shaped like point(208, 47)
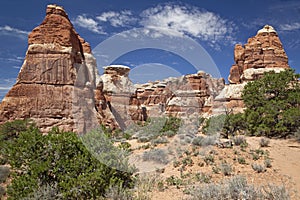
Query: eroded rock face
point(58, 84)
point(262, 53)
point(57, 76)
point(118, 91)
point(179, 97)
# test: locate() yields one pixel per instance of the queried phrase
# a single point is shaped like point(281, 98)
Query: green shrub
point(214, 124)
point(258, 168)
point(61, 159)
point(272, 104)
point(226, 169)
point(203, 177)
point(205, 141)
point(4, 173)
point(173, 180)
point(156, 155)
point(239, 140)
point(2, 191)
point(187, 161)
point(237, 188)
point(241, 160)
point(209, 159)
point(234, 124)
point(268, 163)
point(264, 142)
point(11, 130)
point(171, 124)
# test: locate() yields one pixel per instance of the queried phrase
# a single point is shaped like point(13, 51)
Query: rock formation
point(118, 91)
point(58, 84)
point(56, 79)
point(180, 97)
point(262, 53)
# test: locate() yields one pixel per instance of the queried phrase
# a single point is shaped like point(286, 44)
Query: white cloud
point(4, 88)
point(183, 20)
point(6, 84)
point(117, 19)
point(8, 30)
point(290, 27)
point(88, 23)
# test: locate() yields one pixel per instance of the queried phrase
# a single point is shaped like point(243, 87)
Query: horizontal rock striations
point(58, 84)
point(180, 97)
point(262, 53)
point(58, 68)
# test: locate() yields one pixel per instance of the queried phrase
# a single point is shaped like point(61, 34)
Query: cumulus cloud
point(167, 20)
point(88, 23)
point(8, 30)
point(117, 19)
point(185, 20)
point(290, 27)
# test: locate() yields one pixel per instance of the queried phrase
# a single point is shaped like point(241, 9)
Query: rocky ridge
point(58, 84)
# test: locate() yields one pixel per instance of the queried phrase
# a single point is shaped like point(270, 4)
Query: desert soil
point(285, 170)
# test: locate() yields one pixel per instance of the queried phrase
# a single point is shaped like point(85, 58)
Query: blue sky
point(178, 37)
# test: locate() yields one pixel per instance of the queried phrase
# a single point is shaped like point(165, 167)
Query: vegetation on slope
point(272, 108)
point(54, 166)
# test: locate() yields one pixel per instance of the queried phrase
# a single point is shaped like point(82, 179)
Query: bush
point(171, 124)
point(156, 155)
point(2, 191)
point(214, 124)
point(237, 188)
point(11, 130)
point(209, 159)
point(159, 140)
point(4, 173)
point(118, 193)
point(197, 141)
point(297, 134)
point(173, 180)
point(264, 142)
point(58, 159)
point(226, 169)
point(268, 163)
point(241, 160)
point(202, 177)
point(272, 104)
point(234, 124)
point(239, 140)
point(258, 168)
point(46, 191)
point(205, 141)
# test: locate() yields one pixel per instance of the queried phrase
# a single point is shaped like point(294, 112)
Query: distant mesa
point(59, 85)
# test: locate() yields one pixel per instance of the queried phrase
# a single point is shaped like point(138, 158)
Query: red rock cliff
point(263, 52)
point(58, 69)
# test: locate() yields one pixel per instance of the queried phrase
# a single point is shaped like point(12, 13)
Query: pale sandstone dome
point(267, 29)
